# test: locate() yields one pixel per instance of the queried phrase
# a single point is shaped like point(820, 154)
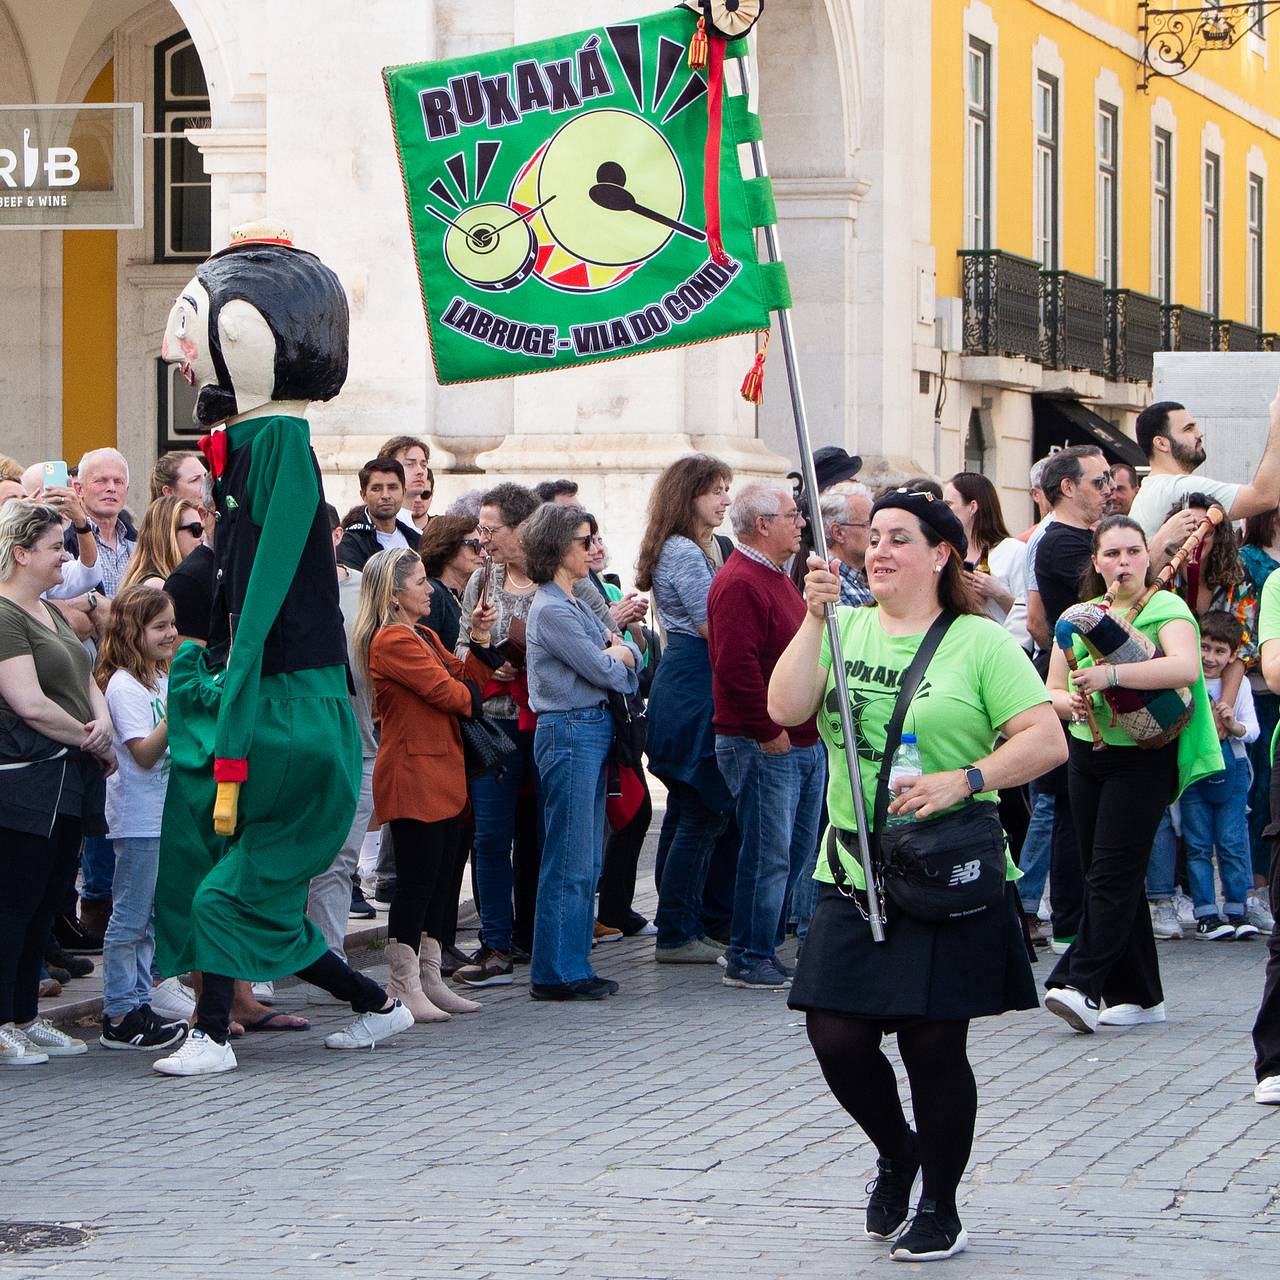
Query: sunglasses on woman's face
point(474, 543)
point(195, 529)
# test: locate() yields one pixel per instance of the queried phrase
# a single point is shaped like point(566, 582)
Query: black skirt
point(973, 968)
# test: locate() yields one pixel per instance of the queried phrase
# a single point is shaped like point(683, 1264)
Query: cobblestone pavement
point(680, 1129)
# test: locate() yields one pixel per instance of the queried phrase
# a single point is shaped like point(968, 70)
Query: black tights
point(213, 1009)
point(944, 1096)
point(426, 853)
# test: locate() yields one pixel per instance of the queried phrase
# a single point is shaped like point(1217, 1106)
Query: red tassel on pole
point(698, 47)
point(753, 383)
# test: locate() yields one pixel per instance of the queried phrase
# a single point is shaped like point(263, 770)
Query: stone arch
point(15, 73)
point(810, 90)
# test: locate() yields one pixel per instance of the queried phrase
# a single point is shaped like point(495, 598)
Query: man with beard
point(1174, 444)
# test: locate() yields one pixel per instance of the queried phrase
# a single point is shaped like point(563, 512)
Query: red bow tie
point(214, 447)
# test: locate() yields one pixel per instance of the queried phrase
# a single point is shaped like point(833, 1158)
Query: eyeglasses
point(851, 524)
point(488, 530)
point(427, 494)
point(585, 541)
point(1104, 481)
point(474, 543)
point(796, 517)
point(195, 529)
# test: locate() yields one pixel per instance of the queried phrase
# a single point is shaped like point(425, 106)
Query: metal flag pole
point(874, 911)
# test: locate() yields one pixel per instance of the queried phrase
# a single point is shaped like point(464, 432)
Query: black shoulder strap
point(911, 680)
point(725, 543)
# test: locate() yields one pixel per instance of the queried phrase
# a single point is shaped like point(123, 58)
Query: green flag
point(557, 198)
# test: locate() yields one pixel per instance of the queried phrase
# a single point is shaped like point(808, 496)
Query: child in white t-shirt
point(133, 672)
point(1215, 809)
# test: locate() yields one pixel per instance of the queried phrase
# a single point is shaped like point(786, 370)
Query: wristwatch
point(82, 530)
point(91, 599)
point(973, 776)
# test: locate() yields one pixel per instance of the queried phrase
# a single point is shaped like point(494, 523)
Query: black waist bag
point(945, 868)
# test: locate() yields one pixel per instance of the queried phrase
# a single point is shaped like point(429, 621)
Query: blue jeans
point(1214, 816)
point(689, 843)
point(1161, 866)
point(1037, 847)
point(97, 862)
point(570, 748)
point(778, 800)
point(494, 800)
point(130, 943)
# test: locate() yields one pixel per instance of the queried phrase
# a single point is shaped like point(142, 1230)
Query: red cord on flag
point(711, 163)
point(698, 46)
point(753, 383)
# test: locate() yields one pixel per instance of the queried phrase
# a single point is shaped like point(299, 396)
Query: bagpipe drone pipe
point(1151, 717)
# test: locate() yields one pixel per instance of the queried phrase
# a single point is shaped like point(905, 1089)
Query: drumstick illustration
point(609, 193)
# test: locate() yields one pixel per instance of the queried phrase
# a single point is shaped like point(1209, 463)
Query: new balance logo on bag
point(965, 872)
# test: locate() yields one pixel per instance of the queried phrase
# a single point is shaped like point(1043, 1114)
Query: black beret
point(928, 510)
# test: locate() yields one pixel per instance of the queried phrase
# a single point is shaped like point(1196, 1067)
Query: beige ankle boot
point(406, 985)
point(437, 990)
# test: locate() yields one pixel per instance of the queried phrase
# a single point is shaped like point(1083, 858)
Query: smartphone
point(55, 475)
point(486, 575)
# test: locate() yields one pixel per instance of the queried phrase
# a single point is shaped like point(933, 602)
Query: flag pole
point(874, 910)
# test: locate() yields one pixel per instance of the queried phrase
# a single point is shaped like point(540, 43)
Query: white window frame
point(1164, 231)
point(1211, 231)
point(978, 178)
point(1107, 196)
point(1256, 247)
point(175, 118)
point(980, 24)
point(1046, 175)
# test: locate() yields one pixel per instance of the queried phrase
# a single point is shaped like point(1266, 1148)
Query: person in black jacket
point(381, 529)
point(451, 552)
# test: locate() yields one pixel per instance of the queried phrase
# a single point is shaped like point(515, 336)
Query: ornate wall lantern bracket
point(1174, 39)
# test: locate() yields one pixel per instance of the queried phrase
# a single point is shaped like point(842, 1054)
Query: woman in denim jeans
point(574, 663)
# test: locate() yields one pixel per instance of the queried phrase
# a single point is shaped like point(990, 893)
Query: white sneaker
point(16, 1050)
point(1131, 1015)
point(171, 1001)
point(1060, 946)
point(197, 1055)
point(1074, 1008)
point(1185, 908)
point(265, 991)
point(1164, 920)
point(371, 1028)
point(1259, 914)
point(48, 1039)
point(1267, 1091)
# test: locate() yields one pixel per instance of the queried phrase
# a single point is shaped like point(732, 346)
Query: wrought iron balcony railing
point(1231, 335)
point(1001, 304)
point(1186, 329)
point(1074, 330)
point(1134, 333)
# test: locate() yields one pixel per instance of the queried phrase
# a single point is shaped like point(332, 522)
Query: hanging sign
point(556, 200)
point(71, 167)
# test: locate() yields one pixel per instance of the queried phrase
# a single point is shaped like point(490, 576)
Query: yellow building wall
point(89, 326)
point(1021, 23)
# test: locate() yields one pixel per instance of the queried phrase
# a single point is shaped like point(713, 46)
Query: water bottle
point(906, 767)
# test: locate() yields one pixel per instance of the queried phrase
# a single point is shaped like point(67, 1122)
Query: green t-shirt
point(62, 665)
point(1269, 628)
point(979, 678)
point(1199, 749)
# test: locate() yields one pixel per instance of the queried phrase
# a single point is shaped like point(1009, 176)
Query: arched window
point(182, 217)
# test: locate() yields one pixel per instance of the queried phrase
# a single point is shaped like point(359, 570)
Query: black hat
point(928, 510)
point(832, 465)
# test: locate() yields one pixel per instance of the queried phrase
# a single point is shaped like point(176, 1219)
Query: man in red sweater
point(776, 776)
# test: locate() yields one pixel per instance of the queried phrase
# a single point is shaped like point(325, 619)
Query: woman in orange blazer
point(419, 778)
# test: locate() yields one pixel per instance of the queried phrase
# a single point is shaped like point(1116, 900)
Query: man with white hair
point(776, 776)
point(102, 483)
point(846, 520)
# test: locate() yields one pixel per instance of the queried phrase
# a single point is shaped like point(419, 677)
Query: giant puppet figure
point(265, 754)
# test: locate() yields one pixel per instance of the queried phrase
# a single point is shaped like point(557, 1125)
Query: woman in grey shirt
point(574, 663)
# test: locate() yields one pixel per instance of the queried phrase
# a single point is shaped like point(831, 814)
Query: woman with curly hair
point(170, 531)
point(679, 555)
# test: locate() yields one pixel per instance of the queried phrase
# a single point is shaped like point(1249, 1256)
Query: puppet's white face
point(247, 343)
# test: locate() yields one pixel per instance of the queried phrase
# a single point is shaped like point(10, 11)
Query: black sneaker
point(57, 973)
point(931, 1236)
point(1214, 929)
point(582, 989)
point(361, 909)
point(384, 891)
point(1242, 928)
point(76, 966)
point(891, 1193)
point(73, 938)
point(140, 1029)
